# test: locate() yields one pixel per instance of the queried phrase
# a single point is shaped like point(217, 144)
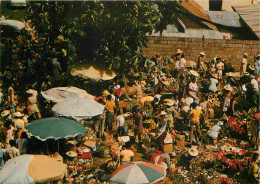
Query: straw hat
point(178, 52)
point(194, 73)
point(5, 113)
point(193, 152)
point(163, 113)
point(214, 75)
point(251, 67)
point(169, 102)
point(245, 54)
point(71, 154)
point(32, 91)
point(220, 123)
point(228, 88)
point(202, 53)
point(18, 114)
point(172, 154)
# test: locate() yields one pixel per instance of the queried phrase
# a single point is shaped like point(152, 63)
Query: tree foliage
point(101, 32)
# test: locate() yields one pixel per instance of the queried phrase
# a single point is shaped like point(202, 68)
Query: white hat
point(5, 113)
point(18, 114)
point(178, 52)
point(194, 73)
point(193, 152)
point(117, 87)
point(228, 88)
point(173, 154)
point(245, 54)
point(251, 67)
point(32, 91)
point(71, 154)
point(220, 123)
point(169, 102)
point(202, 53)
point(163, 113)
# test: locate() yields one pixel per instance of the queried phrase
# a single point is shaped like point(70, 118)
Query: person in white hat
point(177, 57)
point(243, 65)
point(193, 88)
point(72, 161)
point(201, 67)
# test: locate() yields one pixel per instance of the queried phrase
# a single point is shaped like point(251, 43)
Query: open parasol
point(138, 172)
point(32, 169)
point(60, 93)
point(78, 108)
point(17, 25)
point(93, 72)
point(55, 128)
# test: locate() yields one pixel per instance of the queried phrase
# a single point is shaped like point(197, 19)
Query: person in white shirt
point(213, 83)
point(193, 89)
point(254, 84)
point(120, 122)
point(214, 131)
point(10, 133)
point(243, 64)
point(220, 68)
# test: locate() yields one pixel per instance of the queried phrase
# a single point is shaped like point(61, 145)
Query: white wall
point(226, 4)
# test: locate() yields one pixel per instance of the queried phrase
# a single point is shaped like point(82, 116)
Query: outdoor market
point(165, 120)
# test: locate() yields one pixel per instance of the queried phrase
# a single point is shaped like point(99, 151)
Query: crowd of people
point(162, 99)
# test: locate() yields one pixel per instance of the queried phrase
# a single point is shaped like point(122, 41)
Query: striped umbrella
point(32, 169)
point(138, 172)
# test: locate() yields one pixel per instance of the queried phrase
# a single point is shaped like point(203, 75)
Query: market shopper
point(195, 117)
point(243, 65)
point(138, 124)
point(110, 112)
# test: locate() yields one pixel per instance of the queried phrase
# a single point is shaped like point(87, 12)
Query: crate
point(167, 148)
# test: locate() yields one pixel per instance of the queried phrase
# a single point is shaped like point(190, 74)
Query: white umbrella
point(60, 93)
point(78, 108)
point(92, 72)
point(18, 25)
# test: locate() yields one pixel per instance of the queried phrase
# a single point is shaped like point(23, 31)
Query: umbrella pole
point(58, 146)
point(47, 147)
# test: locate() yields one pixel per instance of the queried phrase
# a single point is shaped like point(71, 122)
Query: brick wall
point(231, 50)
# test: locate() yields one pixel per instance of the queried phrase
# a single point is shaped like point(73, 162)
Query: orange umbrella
point(32, 169)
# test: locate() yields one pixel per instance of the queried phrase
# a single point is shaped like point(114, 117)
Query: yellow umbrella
point(32, 169)
point(93, 72)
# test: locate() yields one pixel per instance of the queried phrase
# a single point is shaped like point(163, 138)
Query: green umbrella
point(55, 128)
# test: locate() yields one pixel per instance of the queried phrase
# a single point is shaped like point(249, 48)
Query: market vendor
point(214, 131)
point(162, 128)
point(193, 88)
point(164, 160)
point(187, 158)
point(254, 170)
point(72, 161)
point(126, 154)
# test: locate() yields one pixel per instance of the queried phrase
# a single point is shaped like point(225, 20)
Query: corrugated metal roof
point(225, 18)
point(250, 14)
point(195, 9)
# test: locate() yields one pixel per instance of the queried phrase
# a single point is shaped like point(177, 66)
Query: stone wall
point(231, 50)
